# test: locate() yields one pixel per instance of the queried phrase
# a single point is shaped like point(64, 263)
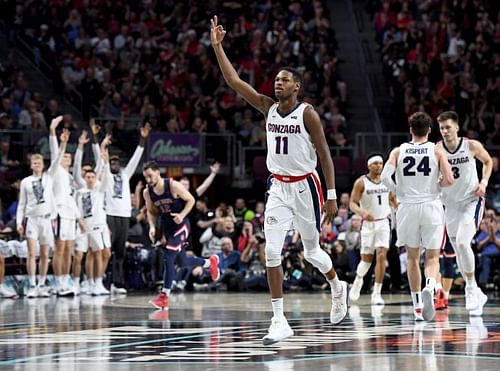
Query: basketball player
point(34, 217)
point(371, 199)
point(464, 201)
point(67, 213)
point(294, 135)
point(81, 241)
point(90, 201)
point(421, 169)
point(170, 200)
point(119, 208)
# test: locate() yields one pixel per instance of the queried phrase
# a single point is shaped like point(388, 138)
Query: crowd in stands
point(152, 60)
point(442, 55)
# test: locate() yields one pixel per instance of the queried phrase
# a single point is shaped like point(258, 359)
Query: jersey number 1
point(281, 141)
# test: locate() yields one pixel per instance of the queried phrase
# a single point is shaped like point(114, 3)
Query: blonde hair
point(36, 156)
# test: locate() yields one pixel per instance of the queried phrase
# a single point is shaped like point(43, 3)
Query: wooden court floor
point(222, 331)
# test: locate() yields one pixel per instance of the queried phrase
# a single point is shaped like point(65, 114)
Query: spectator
point(488, 246)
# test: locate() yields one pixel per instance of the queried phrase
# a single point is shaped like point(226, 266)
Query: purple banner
point(175, 149)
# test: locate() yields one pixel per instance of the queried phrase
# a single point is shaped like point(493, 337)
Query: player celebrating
point(464, 201)
point(34, 217)
point(420, 168)
point(371, 199)
point(294, 136)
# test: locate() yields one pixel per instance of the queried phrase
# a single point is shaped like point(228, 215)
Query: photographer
point(254, 261)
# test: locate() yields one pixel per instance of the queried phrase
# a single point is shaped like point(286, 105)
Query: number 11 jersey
point(290, 150)
point(417, 173)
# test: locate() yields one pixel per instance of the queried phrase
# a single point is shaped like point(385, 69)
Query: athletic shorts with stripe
point(421, 225)
point(466, 214)
point(65, 229)
point(294, 205)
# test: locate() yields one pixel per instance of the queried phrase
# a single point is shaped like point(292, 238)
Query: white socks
point(277, 307)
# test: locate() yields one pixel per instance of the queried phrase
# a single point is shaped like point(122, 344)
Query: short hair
point(36, 156)
point(151, 165)
point(297, 75)
point(448, 115)
point(89, 171)
point(420, 123)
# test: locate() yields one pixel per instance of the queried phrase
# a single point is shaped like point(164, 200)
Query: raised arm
point(106, 172)
point(259, 101)
point(482, 155)
point(95, 129)
point(389, 169)
point(315, 129)
point(53, 138)
point(136, 158)
point(77, 163)
point(444, 168)
point(214, 169)
point(62, 149)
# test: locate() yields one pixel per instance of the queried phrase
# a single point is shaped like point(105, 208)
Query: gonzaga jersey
point(417, 173)
point(290, 150)
point(463, 166)
point(91, 205)
point(375, 199)
point(64, 193)
point(35, 197)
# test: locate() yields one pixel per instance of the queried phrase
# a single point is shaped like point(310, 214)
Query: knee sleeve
point(316, 256)
point(463, 249)
point(274, 244)
point(363, 268)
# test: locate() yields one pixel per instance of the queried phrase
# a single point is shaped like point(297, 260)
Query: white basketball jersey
point(463, 166)
point(417, 173)
point(375, 199)
point(290, 150)
point(36, 197)
point(91, 205)
point(64, 193)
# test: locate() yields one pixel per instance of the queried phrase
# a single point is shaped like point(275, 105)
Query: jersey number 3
point(281, 142)
point(423, 167)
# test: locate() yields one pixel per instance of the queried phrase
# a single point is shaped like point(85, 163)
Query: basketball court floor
point(222, 331)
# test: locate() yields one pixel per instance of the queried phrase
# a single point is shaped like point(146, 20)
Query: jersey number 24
point(422, 167)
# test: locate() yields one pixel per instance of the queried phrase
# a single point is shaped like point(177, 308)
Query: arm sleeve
point(54, 150)
point(386, 176)
point(97, 157)
point(77, 168)
point(106, 175)
point(55, 164)
point(133, 162)
point(21, 206)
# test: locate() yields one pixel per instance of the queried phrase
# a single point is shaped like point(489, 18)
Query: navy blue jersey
point(167, 204)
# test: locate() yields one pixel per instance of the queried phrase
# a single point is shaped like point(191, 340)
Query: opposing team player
point(464, 201)
point(172, 202)
point(34, 217)
point(371, 199)
point(294, 139)
point(421, 169)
